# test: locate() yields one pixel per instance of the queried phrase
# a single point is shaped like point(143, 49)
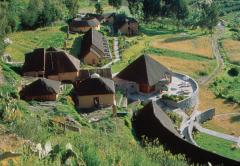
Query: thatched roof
point(41, 87)
point(103, 72)
point(51, 60)
point(96, 42)
point(95, 86)
point(144, 70)
point(34, 61)
point(85, 22)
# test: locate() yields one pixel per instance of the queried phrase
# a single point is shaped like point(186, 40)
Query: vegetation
point(115, 3)
point(111, 140)
point(227, 86)
point(99, 8)
point(175, 98)
point(175, 118)
point(218, 145)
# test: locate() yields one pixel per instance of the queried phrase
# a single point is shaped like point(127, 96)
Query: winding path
point(216, 52)
point(216, 134)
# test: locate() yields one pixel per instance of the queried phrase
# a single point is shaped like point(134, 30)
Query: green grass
point(227, 87)
point(217, 145)
point(176, 54)
point(26, 41)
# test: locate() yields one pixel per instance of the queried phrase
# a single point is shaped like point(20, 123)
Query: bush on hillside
point(234, 72)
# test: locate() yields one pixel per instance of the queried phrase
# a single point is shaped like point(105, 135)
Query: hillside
point(61, 133)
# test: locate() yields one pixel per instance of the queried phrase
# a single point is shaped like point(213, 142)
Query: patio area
point(181, 85)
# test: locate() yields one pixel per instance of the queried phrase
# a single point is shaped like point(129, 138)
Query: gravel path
point(216, 52)
point(226, 114)
point(217, 134)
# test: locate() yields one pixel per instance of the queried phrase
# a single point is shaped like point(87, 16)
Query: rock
point(7, 41)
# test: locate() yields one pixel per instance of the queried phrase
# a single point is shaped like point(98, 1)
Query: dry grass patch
point(182, 65)
point(219, 123)
point(9, 143)
point(232, 49)
point(209, 100)
point(224, 124)
point(200, 46)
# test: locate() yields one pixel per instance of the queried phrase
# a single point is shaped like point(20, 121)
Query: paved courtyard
point(179, 86)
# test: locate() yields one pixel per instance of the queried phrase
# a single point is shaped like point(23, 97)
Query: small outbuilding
point(95, 92)
point(128, 27)
point(144, 75)
point(84, 24)
point(109, 18)
point(95, 48)
point(41, 90)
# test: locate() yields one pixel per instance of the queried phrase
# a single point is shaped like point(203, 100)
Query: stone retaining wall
point(205, 116)
point(189, 102)
point(155, 129)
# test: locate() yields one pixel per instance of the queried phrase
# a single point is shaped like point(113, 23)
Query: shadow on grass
point(76, 47)
point(180, 38)
point(152, 31)
point(64, 29)
point(235, 119)
point(16, 68)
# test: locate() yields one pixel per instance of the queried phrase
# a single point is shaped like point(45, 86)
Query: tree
point(73, 6)
point(3, 24)
point(99, 8)
point(53, 10)
point(180, 10)
point(30, 16)
point(136, 8)
point(115, 3)
point(151, 9)
point(209, 15)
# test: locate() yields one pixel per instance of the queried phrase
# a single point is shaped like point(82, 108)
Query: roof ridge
point(146, 66)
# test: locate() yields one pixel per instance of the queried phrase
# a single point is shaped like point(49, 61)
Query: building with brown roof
point(84, 24)
point(94, 48)
point(51, 63)
point(95, 91)
point(109, 18)
point(144, 75)
point(128, 27)
point(41, 90)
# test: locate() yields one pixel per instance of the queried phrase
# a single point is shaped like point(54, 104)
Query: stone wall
point(205, 116)
point(154, 129)
point(189, 102)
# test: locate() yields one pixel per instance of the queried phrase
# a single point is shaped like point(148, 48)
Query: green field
point(217, 145)
point(52, 36)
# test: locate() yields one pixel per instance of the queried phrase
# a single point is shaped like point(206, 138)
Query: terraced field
point(189, 67)
point(194, 45)
point(223, 124)
point(232, 49)
point(26, 41)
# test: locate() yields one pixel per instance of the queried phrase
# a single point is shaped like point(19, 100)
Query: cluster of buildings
point(117, 23)
point(92, 87)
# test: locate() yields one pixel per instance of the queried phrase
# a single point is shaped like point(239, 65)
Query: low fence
point(189, 102)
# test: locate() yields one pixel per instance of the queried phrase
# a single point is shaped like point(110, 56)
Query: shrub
point(175, 118)
point(233, 72)
point(175, 98)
